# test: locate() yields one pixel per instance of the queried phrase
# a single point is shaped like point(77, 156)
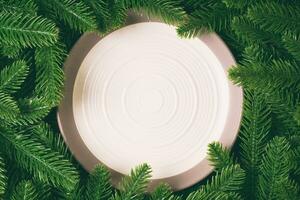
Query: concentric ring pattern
point(142, 94)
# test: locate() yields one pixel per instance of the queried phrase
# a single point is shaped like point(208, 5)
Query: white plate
point(143, 95)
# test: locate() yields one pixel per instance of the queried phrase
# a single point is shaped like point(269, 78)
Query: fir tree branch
point(27, 88)
point(132, 187)
point(76, 14)
point(49, 73)
point(289, 190)
point(3, 177)
point(110, 14)
point(275, 169)
point(297, 115)
point(240, 4)
point(244, 4)
point(14, 176)
point(23, 30)
point(32, 110)
point(169, 11)
point(59, 194)
point(10, 51)
point(25, 191)
point(77, 194)
point(43, 190)
point(219, 156)
point(98, 184)
point(277, 18)
point(295, 158)
point(256, 124)
point(45, 164)
point(101, 11)
point(24, 6)
point(251, 34)
point(198, 5)
point(280, 97)
point(212, 17)
point(12, 77)
point(52, 140)
point(277, 74)
point(291, 43)
point(283, 105)
point(223, 185)
point(163, 192)
point(8, 108)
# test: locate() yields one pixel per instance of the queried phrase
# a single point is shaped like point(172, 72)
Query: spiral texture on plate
point(142, 94)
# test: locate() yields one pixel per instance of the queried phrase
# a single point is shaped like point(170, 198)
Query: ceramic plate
point(141, 94)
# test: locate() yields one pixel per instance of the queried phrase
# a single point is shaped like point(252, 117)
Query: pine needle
point(24, 6)
point(275, 17)
point(219, 156)
point(297, 115)
point(169, 11)
point(256, 125)
point(51, 139)
point(3, 177)
point(223, 185)
point(43, 163)
point(251, 33)
point(19, 29)
point(8, 108)
point(25, 191)
point(10, 51)
point(49, 73)
point(291, 43)
point(276, 74)
point(12, 77)
point(76, 14)
point(98, 185)
point(110, 14)
point(163, 192)
point(212, 16)
point(132, 187)
point(32, 110)
point(275, 168)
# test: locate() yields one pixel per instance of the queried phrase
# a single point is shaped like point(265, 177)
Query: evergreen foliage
point(49, 73)
point(169, 11)
point(18, 29)
point(42, 162)
point(98, 186)
point(11, 77)
point(219, 156)
point(276, 74)
point(28, 6)
point(132, 187)
point(110, 14)
point(209, 16)
point(276, 17)
point(274, 171)
point(163, 192)
point(33, 110)
point(75, 14)
point(8, 107)
point(223, 185)
point(25, 191)
point(3, 177)
point(297, 115)
point(45, 133)
point(35, 36)
point(10, 51)
point(256, 125)
point(291, 44)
